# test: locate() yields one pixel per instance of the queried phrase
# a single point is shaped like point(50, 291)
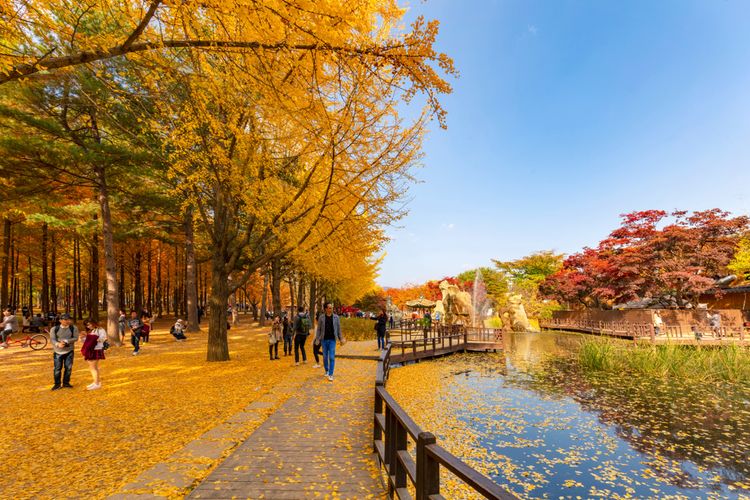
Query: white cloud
point(448, 227)
point(532, 29)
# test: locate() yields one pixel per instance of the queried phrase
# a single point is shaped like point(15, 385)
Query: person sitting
point(37, 323)
point(178, 330)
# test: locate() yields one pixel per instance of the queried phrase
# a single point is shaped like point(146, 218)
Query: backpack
point(303, 325)
point(59, 327)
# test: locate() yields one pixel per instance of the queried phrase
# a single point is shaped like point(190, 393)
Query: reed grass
point(695, 363)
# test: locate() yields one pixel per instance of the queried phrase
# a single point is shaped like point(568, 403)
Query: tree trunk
point(190, 285)
point(312, 297)
point(301, 291)
point(149, 282)
point(94, 278)
point(113, 304)
point(218, 348)
point(264, 300)
point(76, 279)
point(291, 294)
point(121, 288)
point(276, 285)
point(17, 256)
point(159, 305)
point(137, 285)
point(31, 289)
point(4, 294)
point(53, 274)
point(45, 277)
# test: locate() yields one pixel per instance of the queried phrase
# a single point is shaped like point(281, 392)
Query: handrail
point(645, 330)
point(392, 427)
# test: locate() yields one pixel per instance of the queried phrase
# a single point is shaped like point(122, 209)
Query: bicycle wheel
point(38, 341)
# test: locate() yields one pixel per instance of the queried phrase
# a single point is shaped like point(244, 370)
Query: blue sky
point(569, 113)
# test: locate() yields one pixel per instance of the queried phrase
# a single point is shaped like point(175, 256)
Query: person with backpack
point(8, 326)
point(178, 330)
point(301, 331)
point(380, 329)
point(327, 333)
point(136, 327)
point(287, 333)
point(63, 338)
point(94, 344)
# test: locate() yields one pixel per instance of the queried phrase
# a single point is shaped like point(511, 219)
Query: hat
point(180, 321)
point(65, 316)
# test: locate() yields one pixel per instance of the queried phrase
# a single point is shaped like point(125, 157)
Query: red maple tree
point(669, 257)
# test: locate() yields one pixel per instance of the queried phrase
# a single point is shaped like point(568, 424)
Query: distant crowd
point(291, 332)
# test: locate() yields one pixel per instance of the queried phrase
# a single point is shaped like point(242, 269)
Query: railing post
point(428, 471)
point(400, 469)
point(653, 334)
point(377, 434)
point(389, 452)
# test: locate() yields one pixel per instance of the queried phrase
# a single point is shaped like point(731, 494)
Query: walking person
point(63, 338)
point(287, 333)
point(326, 333)
point(7, 327)
point(318, 353)
point(301, 331)
point(122, 321)
point(146, 330)
point(658, 323)
point(390, 321)
point(136, 327)
point(93, 350)
point(380, 328)
point(274, 337)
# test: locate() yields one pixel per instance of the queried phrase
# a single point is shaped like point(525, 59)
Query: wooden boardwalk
point(416, 345)
point(318, 444)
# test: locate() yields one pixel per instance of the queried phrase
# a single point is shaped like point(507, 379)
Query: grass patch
point(695, 363)
point(358, 328)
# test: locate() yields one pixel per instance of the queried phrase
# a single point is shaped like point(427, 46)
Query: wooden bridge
point(413, 343)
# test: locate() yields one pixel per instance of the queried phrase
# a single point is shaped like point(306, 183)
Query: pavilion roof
point(420, 303)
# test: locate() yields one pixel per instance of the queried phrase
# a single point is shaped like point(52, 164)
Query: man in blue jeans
point(327, 332)
point(63, 339)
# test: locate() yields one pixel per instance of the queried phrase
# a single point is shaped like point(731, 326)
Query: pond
point(532, 420)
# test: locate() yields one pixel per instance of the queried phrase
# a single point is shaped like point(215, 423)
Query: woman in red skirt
point(93, 351)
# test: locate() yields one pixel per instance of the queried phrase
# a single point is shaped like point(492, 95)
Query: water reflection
point(533, 420)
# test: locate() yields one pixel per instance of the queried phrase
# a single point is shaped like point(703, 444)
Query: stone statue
point(519, 322)
point(455, 303)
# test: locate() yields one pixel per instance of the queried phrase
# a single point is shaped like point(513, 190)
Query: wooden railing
point(393, 428)
point(412, 345)
point(644, 330)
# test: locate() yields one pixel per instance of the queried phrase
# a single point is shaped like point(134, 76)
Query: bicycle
point(37, 341)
